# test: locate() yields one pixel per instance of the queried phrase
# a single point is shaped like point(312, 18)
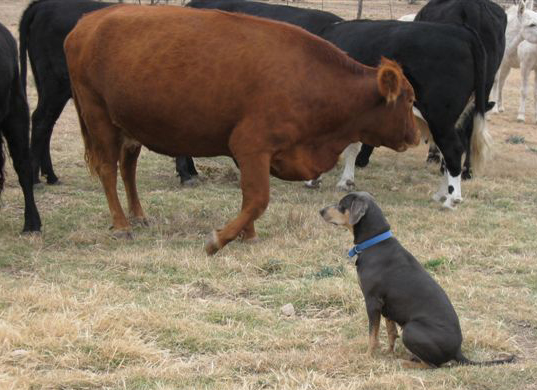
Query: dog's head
point(358, 212)
point(349, 211)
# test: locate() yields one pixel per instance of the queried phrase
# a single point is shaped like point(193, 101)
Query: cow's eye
point(533, 25)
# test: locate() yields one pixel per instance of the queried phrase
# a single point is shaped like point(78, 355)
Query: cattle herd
point(282, 90)
point(451, 54)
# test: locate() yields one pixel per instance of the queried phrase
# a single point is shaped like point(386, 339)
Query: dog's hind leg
point(391, 329)
point(426, 343)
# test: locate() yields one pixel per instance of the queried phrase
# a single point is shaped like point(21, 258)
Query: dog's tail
point(461, 359)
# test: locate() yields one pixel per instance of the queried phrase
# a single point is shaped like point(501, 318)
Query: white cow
point(527, 56)
point(521, 25)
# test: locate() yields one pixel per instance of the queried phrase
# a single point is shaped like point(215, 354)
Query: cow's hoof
point(520, 119)
point(54, 181)
point(449, 204)
point(212, 244)
point(347, 185)
point(139, 221)
point(192, 182)
point(466, 175)
point(433, 158)
point(122, 234)
point(251, 240)
point(31, 233)
point(316, 183)
point(439, 196)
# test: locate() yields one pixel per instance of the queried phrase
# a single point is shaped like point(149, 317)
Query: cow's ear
point(358, 209)
point(521, 9)
point(390, 80)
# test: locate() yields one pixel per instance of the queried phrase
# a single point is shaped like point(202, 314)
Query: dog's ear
point(357, 210)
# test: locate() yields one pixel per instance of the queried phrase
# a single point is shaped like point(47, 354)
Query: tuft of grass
point(330, 272)
point(516, 139)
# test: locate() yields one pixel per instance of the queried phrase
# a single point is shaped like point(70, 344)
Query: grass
point(81, 310)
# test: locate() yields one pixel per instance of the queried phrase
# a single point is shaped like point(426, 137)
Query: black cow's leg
point(467, 170)
point(363, 157)
point(183, 165)
point(49, 108)
point(434, 154)
point(16, 130)
point(191, 167)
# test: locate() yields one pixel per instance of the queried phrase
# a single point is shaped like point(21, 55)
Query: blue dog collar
point(369, 243)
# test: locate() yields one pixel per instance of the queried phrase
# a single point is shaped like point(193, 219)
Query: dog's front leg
point(391, 329)
point(373, 313)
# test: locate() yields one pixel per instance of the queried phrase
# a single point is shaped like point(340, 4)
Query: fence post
point(359, 13)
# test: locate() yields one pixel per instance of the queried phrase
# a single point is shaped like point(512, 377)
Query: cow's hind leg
point(255, 171)
point(51, 104)
point(127, 166)
point(16, 130)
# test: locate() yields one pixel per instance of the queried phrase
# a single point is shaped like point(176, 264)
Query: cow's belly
point(175, 136)
point(303, 162)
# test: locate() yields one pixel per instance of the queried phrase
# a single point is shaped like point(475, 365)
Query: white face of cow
point(529, 26)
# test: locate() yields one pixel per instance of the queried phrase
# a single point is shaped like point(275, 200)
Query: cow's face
point(395, 127)
point(529, 26)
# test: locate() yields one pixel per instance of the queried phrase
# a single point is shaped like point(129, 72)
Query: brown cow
point(191, 82)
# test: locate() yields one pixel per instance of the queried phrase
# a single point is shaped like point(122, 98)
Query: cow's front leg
point(346, 183)
point(255, 171)
point(450, 188)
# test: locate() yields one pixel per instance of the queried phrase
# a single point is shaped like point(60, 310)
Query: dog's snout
point(323, 211)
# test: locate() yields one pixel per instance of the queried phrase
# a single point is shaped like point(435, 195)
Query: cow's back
point(43, 28)
point(255, 59)
point(311, 20)
point(420, 47)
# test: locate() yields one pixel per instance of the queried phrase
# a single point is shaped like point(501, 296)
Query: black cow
point(42, 30)
point(15, 127)
point(311, 20)
point(488, 20)
point(445, 64)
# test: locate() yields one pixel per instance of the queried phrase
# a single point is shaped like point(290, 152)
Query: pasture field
point(80, 310)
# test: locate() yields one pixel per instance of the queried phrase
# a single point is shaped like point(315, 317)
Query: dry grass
point(80, 310)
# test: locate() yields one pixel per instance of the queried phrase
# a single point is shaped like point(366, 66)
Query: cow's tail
point(24, 29)
point(461, 359)
point(89, 155)
point(480, 139)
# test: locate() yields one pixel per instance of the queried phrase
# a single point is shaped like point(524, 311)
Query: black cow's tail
point(461, 359)
point(480, 139)
point(24, 29)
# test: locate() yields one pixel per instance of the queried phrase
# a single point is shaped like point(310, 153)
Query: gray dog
point(395, 285)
